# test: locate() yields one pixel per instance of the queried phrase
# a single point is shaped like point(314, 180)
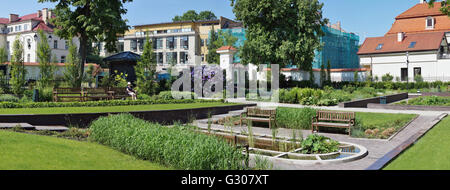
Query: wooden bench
point(96, 94)
point(118, 93)
point(67, 93)
point(259, 115)
point(333, 119)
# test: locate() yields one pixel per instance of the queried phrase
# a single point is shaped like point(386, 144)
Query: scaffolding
point(340, 48)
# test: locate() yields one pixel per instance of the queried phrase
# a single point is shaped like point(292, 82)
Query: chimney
point(338, 25)
point(422, 1)
point(45, 15)
point(39, 13)
point(400, 37)
point(13, 17)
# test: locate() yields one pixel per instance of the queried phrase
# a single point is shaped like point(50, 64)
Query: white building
point(26, 28)
point(417, 44)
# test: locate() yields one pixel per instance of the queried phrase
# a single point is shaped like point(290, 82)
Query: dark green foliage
point(44, 54)
point(428, 101)
point(387, 78)
point(192, 15)
point(316, 144)
point(280, 32)
point(89, 20)
point(178, 147)
point(444, 6)
point(146, 70)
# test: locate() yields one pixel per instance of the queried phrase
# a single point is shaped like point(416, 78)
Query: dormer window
point(430, 23)
point(379, 47)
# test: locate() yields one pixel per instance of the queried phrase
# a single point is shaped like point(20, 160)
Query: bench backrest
point(95, 91)
point(335, 116)
point(119, 91)
point(67, 91)
point(258, 112)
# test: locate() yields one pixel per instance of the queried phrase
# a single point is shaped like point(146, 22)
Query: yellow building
point(181, 43)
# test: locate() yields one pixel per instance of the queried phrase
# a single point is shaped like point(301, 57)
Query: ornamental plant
point(317, 144)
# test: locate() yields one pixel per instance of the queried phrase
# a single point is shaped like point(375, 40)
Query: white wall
point(432, 68)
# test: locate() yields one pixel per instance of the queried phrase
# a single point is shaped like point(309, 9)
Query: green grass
point(429, 153)
point(67, 110)
point(427, 101)
point(20, 151)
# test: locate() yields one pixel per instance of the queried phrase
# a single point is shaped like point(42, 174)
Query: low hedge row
point(176, 147)
point(100, 103)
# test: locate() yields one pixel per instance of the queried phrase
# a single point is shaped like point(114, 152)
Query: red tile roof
point(43, 26)
point(227, 48)
point(421, 10)
point(415, 25)
point(424, 42)
point(4, 21)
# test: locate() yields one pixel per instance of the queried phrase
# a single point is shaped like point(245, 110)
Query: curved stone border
point(363, 153)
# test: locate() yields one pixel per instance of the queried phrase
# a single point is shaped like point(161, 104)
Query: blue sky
point(366, 18)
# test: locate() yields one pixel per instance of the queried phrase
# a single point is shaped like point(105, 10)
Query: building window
point(160, 58)
point(417, 71)
point(412, 45)
point(171, 58)
point(430, 23)
point(134, 45)
point(28, 58)
point(55, 44)
point(141, 44)
point(380, 46)
point(63, 59)
point(121, 47)
point(404, 74)
point(170, 42)
point(183, 58)
point(66, 45)
point(25, 27)
point(185, 42)
point(202, 42)
point(159, 43)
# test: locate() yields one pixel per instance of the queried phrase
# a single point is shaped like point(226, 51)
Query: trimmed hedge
point(100, 103)
point(177, 147)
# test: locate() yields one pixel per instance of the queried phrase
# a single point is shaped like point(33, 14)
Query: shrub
point(25, 103)
point(294, 118)
point(168, 95)
point(177, 146)
point(45, 94)
point(387, 78)
point(316, 144)
point(418, 78)
point(8, 98)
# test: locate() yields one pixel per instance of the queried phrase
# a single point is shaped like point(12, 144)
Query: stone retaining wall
point(85, 119)
point(363, 103)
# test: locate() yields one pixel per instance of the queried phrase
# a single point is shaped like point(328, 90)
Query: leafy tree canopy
point(444, 8)
point(89, 20)
point(192, 15)
point(281, 32)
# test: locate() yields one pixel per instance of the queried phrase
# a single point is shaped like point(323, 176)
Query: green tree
point(146, 70)
point(323, 75)
point(3, 55)
point(72, 71)
point(329, 72)
point(192, 15)
point(444, 6)
point(280, 32)
point(213, 56)
point(216, 41)
point(89, 20)
point(44, 55)
point(18, 71)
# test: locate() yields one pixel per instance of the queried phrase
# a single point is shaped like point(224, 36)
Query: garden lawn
point(67, 110)
point(430, 153)
point(20, 151)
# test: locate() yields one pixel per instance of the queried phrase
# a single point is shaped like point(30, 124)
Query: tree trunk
point(83, 55)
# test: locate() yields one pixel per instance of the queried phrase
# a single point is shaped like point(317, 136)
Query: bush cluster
point(177, 147)
point(99, 103)
point(317, 144)
point(8, 98)
point(168, 95)
point(294, 118)
point(428, 101)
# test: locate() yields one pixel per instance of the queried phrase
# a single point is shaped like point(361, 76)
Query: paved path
point(377, 148)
